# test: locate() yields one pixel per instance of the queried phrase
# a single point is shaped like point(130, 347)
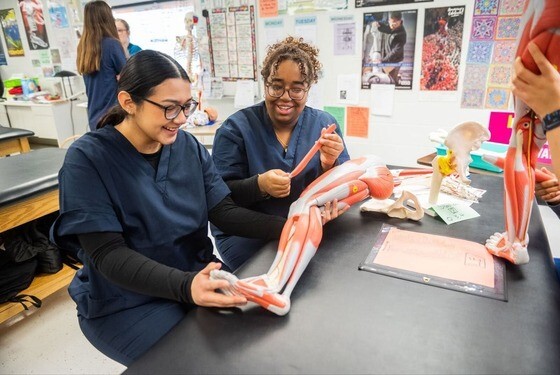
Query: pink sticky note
point(500, 126)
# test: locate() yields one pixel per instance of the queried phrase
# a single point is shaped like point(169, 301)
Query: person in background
point(123, 28)
point(135, 199)
point(256, 147)
point(100, 59)
point(541, 92)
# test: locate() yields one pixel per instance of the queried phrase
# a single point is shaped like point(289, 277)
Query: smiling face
point(148, 128)
point(284, 111)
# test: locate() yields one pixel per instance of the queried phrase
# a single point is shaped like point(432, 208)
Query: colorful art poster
point(34, 22)
point(58, 15)
point(491, 52)
point(388, 48)
point(374, 3)
point(11, 32)
point(441, 48)
point(2, 56)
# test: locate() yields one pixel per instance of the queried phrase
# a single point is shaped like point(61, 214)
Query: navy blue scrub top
point(246, 145)
point(101, 86)
point(106, 185)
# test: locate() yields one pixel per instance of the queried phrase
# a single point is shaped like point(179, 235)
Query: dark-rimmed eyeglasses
point(276, 91)
point(172, 111)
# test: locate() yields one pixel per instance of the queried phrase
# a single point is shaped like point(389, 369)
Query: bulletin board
point(232, 43)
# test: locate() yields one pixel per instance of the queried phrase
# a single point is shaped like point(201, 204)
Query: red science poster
point(34, 22)
point(441, 48)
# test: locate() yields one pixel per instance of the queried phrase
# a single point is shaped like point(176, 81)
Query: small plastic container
point(490, 148)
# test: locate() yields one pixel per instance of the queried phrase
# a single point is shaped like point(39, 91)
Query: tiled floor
point(49, 341)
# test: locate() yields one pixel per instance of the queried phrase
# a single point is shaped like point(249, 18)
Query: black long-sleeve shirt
point(131, 270)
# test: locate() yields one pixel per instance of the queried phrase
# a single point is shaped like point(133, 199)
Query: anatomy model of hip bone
point(348, 183)
point(460, 141)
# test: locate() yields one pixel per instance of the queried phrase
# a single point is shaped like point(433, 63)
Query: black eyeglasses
point(172, 111)
point(276, 91)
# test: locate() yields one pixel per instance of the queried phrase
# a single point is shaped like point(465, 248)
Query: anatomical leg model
point(460, 141)
point(349, 183)
point(542, 25)
point(519, 186)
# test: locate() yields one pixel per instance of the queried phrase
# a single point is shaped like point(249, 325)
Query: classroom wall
point(22, 65)
point(403, 137)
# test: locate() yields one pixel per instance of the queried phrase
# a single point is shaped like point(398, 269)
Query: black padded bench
point(14, 140)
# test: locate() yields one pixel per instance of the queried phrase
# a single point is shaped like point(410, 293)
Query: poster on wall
point(373, 3)
point(58, 15)
point(2, 56)
point(388, 48)
point(11, 32)
point(34, 23)
point(491, 53)
point(441, 48)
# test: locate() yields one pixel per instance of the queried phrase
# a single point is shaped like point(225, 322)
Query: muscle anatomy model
point(348, 183)
point(460, 141)
point(542, 27)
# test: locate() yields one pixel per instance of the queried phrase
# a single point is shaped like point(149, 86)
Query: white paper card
point(347, 89)
point(244, 93)
point(382, 99)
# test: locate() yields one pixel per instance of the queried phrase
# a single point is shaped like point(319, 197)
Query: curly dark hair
point(296, 50)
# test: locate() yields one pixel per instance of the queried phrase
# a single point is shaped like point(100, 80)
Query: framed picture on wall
point(374, 3)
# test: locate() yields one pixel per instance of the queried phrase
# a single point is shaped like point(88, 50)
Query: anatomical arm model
point(542, 27)
point(460, 141)
point(348, 183)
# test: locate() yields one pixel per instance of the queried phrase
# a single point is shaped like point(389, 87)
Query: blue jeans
point(126, 335)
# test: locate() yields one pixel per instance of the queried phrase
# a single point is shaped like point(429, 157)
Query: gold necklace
point(284, 144)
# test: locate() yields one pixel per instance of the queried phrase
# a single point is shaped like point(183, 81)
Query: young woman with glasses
point(135, 200)
point(101, 58)
point(256, 147)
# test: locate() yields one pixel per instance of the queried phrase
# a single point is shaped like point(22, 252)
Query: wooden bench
point(13, 140)
point(28, 191)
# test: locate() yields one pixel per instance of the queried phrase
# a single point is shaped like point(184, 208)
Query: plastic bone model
point(460, 141)
point(542, 26)
point(396, 208)
point(349, 183)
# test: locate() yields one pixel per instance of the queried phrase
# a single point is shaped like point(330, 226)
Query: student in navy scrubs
point(101, 58)
point(256, 147)
point(135, 200)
